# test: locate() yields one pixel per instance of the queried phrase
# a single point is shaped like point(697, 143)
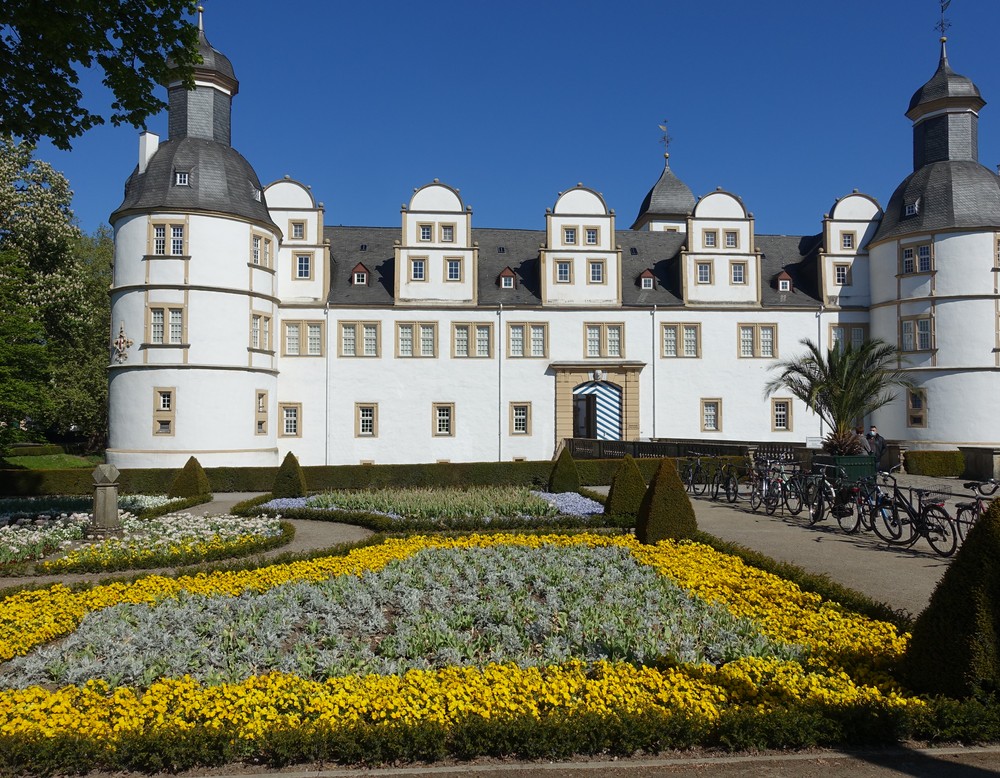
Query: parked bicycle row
point(899, 516)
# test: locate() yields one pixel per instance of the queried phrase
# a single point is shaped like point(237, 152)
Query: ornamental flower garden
point(423, 646)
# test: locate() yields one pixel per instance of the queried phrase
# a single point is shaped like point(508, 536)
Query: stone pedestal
point(106, 499)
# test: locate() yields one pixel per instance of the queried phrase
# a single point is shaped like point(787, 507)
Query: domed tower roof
point(944, 84)
point(948, 187)
point(216, 177)
point(670, 197)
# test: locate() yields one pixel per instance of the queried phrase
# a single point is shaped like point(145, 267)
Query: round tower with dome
point(934, 264)
point(193, 298)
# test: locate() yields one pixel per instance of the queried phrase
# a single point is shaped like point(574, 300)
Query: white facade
point(258, 330)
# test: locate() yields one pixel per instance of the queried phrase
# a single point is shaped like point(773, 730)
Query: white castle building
point(257, 330)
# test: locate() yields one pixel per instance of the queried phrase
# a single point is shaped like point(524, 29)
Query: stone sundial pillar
point(106, 498)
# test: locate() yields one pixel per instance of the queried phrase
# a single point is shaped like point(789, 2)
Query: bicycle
point(694, 474)
point(899, 522)
point(825, 494)
point(969, 512)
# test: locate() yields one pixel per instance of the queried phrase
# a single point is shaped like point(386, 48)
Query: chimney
point(148, 144)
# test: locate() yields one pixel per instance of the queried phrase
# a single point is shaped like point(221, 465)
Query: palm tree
point(842, 386)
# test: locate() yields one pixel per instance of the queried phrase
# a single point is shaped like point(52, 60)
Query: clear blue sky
point(787, 103)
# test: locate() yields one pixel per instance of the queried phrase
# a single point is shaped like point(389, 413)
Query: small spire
point(944, 52)
point(201, 21)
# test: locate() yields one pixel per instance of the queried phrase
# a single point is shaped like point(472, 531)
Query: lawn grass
point(52, 462)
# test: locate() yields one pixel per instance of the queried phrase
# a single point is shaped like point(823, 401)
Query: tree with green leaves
point(842, 386)
point(45, 44)
point(54, 306)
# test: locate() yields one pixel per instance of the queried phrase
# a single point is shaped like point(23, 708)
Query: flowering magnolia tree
point(54, 305)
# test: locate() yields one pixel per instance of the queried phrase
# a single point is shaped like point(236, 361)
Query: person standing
point(859, 433)
point(877, 444)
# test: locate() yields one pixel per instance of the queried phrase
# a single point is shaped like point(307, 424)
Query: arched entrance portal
point(597, 411)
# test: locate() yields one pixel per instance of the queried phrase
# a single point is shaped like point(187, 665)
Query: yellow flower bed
point(848, 652)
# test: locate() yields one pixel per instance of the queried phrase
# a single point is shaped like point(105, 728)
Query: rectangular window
point(447, 233)
point(166, 326)
point(507, 282)
point(732, 239)
point(167, 240)
point(418, 269)
point(176, 239)
point(847, 240)
point(267, 252)
point(426, 232)
point(595, 271)
point(842, 334)
point(842, 275)
point(569, 236)
point(298, 230)
point(647, 283)
point(604, 340)
point(443, 419)
point(164, 410)
point(416, 339)
point(520, 418)
point(181, 178)
point(359, 339)
point(313, 332)
point(260, 412)
point(303, 266)
point(472, 340)
point(916, 334)
point(781, 415)
point(710, 239)
point(916, 408)
point(916, 259)
point(366, 420)
point(255, 331)
point(704, 271)
point(255, 252)
point(291, 420)
point(681, 340)
point(592, 236)
point(176, 325)
point(314, 339)
point(738, 273)
point(711, 415)
point(758, 341)
point(527, 340)
point(564, 272)
point(260, 332)
point(360, 279)
point(453, 269)
point(156, 325)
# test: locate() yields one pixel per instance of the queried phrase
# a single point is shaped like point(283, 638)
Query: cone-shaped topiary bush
point(666, 511)
point(190, 481)
point(627, 489)
point(955, 648)
point(564, 476)
point(290, 480)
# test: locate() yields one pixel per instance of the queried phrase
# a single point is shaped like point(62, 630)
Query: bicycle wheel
point(849, 517)
point(701, 480)
point(793, 496)
point(885, 522)
point(773, 496)
point(716, 486)
point(732, 488)
point(940, 528)
point(688, 477)
point(757, 496)
point(964, 521)
point(818, 506)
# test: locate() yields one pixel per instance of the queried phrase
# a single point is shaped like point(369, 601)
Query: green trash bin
point(855, 466)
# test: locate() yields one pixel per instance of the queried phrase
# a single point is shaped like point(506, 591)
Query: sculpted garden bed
point(55, 535)
point(418, 648)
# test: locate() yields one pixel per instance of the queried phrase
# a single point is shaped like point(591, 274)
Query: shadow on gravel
point(905, 761)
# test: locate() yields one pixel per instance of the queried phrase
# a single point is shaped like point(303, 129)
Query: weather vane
point(944, 24)
point(665, 139)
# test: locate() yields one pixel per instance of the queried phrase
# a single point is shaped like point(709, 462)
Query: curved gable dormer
point(287, 193)
point(720, 205)
point(436, 197)
point(580, 200)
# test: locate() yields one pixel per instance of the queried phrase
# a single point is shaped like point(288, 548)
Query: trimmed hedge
point(666, 511)
point(34, 449)
point(955, 648)
point(564, 476)
point(943, 464)
point(190, 481)
point(290, 480)
point(321, 478)
point(627, 490)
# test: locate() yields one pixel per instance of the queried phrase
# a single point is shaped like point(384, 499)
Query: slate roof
point(669, 197)
point(657, 251)
point(952, 193)
point(944, 83)
point(212, 59)
point(221, 181)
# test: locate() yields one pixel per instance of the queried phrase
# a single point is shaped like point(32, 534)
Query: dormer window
point(501, 249)
point(912, 209)
point(847, 240)
point(507, 282)
point(360, 278)
point(181, 178)
point(426, 232)
point(784, 285)
point(633, 251)
point(447, 233)
point(569, 236)
point(256, 194)
point(647, 282)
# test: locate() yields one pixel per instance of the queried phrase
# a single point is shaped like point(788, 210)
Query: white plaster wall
point(858, 292)
point(719, 205)
point(580, 200)
point(288, 193)
point(965, 332)
point(965, 263)
point(436, 197)
point(720, 290)
point(855, 207)
point(882, 270)
point(666, 226)
point(435, 289)
point(580, 291)
point(214, 418)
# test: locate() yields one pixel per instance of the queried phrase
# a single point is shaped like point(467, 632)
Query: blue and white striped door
point(608, 399)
